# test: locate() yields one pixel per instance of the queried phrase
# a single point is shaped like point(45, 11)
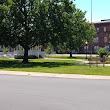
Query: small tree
point(102, 52)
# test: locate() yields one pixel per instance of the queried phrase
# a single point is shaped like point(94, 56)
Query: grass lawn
point(53, 66)
point(67, 57)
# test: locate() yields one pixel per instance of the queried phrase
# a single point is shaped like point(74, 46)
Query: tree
point(86, 34)
point(102, 52)
point(4, 8)
point(80, 31)
point(39, 22)
point(56, 22)
point(69, 25)
point(26, 24)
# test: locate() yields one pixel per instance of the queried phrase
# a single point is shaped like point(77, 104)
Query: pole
point(86, 51)
point(86, 48)
point(91, 11)
point(38, 44)
point(91, 28)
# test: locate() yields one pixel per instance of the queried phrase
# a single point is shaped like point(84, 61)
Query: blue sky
point(100, 9)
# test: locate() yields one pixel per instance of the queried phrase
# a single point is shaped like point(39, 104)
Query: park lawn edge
point(57, 67)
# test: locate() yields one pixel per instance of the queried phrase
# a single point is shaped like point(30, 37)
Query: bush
point(102, 52)
point(5, 50)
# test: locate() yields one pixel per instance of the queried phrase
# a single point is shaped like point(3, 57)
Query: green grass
point(53, 66)
point(67, 57)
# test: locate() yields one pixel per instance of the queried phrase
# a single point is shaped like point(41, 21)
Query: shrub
point(102, 52)
point(5, 50)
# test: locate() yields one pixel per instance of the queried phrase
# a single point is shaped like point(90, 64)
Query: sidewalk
point(40, 74)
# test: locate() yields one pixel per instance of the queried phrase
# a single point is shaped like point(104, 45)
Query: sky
point(100, 9)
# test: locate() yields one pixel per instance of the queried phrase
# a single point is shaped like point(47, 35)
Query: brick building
point(102, 37)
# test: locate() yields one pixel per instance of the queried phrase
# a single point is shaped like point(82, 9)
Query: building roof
point(102, 21)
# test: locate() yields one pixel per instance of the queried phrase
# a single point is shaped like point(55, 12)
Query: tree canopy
point(37, 22)
point(69, 25)
point(26, 24)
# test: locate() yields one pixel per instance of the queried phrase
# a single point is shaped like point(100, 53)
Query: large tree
point(27, 24)
point(71, 26)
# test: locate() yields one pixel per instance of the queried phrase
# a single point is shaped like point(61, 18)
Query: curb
point(41, 74)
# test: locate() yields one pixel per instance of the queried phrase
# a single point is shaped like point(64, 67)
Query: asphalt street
point(47, 93)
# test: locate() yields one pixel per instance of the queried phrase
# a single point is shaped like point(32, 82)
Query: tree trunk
point(25, 58)
point(70, 49)
point(70, 54)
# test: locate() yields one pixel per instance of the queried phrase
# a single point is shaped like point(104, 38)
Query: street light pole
point(91, 29)
point(91, 11)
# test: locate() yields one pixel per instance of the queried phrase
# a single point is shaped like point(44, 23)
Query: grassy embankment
point(74, 66)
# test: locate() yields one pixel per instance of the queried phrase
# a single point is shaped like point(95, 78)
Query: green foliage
point(49, 48)
point(24, 24)
point(62, 48)
point(69, 26)
point(36, 22)
point(5, 23)
point(102, 52)
point(5, 50)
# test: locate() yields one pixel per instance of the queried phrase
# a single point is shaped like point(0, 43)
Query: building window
point(97, 29)
point(86, 49)
point(105, 39)
point(96, 39)
point(107, 47)
point(104, 29)
point(96, 48)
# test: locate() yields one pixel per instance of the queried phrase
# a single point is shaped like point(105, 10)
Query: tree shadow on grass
point(18, 64)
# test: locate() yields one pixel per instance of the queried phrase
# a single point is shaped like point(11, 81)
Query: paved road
point(47, 93)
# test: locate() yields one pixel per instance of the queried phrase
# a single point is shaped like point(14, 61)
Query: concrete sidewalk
point(40, 74)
